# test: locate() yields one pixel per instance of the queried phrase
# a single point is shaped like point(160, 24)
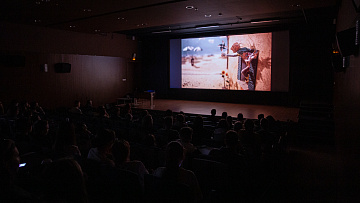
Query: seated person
point(213, 117)
point(9, 167)
point(174, 172)
point(103, 143)
point(185, 140)
point(76, 108)
point(230, 152)
point(166, 134)
point(88, 109)
point(199, 131)
point(65, 143)
point(180, 122)
point(64, 182)
point(220, 131)
point(121, 154)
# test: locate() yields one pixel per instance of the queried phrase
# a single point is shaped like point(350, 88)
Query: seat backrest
point(211, 175)
point(159, 190)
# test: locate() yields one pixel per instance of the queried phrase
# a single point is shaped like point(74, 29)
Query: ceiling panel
point(123, 16)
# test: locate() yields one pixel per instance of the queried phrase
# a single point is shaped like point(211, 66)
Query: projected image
point(236, 62)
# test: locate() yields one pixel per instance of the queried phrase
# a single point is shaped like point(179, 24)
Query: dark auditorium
point(179, 101)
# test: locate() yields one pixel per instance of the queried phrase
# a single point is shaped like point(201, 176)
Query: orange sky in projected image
point(209, 62)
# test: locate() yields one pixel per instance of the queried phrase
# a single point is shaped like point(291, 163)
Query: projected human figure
point(222, 46)
point(247, 64)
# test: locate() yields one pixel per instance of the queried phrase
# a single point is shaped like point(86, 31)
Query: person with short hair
point(121, 154)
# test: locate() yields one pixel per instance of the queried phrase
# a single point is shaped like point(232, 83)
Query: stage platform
point(200, 107)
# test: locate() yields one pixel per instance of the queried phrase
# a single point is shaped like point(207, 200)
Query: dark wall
point(346, 115)
point(311, 71)
point(98, 66)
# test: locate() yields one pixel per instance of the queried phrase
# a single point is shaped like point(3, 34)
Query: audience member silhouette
point(2, 110)
point(102, 145)
point(240, 117)
point(179, 122)
point(168, 112)
point(147, 127)
point(88, 109)
point(174, 172)
point(230, 151)
point(166, 134)
point(249, 140)
point(83, 138)
point(220, 131)
point(213, 117)
point(237, 166)
point(185, 140)
point(41, 142)
point(257, 122)
point(23, 134)
point(102, 112)
point(37, 109)
point(121, 154)
point(76, 108)
point(150, 141)
point(24, 107)
point(9, 166)
point(229, 120)
point(116, 114)
point(224, 115)
point(238, 125)
point(65, 143)
point(199, 131)
point(64, 182)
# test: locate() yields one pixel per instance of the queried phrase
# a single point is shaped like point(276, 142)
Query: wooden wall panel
point(92, 77)
point(98, 65)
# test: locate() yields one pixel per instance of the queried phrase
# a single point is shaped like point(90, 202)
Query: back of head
point(168, 122)
point(9, 159)
point(149, 140)
point(65, 182)
point(229, 119)
point(231, 138)
point(222, 124)
point(66, 134)
point(174, 155)
point(224, 115)
point(143, 113)
point(213, 112)
point(104, 138)
point(237, 126)
point(76, 103)
point(89, 103)
point(271, 119)
point(240, 117)
point(128, 117)
point(186, 134)
point(264, 123)
point(249, 125)
point(24, 125)
point(169, 112)
point(260, 116)
point(121, 151)
point(180, 118)
point(147, 122)
point(42, 127)
point(198, 121)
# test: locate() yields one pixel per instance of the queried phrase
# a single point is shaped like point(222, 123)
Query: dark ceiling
point(143, 17)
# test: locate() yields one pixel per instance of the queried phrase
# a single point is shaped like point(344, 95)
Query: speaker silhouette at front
point(62, 68)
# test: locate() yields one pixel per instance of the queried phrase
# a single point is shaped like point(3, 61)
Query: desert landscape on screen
point(209, 63)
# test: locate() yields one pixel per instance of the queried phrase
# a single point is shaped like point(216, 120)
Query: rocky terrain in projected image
point(205, 71)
